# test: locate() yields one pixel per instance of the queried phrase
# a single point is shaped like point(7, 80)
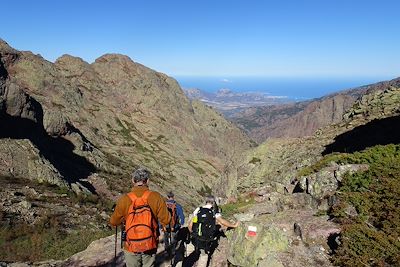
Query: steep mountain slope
point(371, 121)
point(86, 126)
point(114, 109)
point(303, 118)
point(290, 187)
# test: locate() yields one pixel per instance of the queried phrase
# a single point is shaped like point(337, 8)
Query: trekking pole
point(123, 235)
point(171, 246)
point(115, 246)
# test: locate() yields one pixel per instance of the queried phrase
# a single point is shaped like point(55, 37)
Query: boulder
point(349, 168)
point(19, 104)
point(56, 123)
point(98, 253)
point(249, 248)
point(322, 184)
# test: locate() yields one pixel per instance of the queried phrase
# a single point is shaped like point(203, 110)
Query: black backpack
point(204, 228)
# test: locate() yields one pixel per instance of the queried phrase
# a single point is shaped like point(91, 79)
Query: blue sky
point(324, 38)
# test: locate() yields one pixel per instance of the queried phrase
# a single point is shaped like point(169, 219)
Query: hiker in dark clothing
point(177, 220)
point(203, 227)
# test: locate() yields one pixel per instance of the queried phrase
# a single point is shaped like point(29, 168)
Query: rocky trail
point(288, 232)
point(288, 228)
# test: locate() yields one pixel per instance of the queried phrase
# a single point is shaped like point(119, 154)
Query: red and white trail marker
point(252, 231)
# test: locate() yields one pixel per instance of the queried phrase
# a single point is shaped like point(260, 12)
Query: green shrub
point(372, 237)
point(228, 210)
point(365, 246)
point(319, 165)
point(255, 160)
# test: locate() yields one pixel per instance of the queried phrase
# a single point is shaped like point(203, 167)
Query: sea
point(293, 88)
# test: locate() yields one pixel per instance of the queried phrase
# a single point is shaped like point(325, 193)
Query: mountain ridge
point(301, 118)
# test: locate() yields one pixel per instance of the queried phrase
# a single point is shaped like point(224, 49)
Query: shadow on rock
point(376, 132)
point(57, 150)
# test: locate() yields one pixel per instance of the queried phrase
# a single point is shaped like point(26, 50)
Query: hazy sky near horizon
point(314, 38)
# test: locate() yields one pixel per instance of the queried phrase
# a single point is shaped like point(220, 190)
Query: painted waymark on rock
point(251, 231)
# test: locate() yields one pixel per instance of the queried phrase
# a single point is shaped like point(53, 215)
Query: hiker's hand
point(237, 224)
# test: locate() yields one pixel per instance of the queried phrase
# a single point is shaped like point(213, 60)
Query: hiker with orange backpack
point(140, 210)
point(177, 220)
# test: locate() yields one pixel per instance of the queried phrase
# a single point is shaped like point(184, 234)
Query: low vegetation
point(55, 235)
point(255, 160)
point(367, 208)
point(319, 165)
point(46, 240)
point(228, 210)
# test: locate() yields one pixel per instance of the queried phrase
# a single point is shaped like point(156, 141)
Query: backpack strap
point(145, 196)
point(201, 207)
point(132, 196)
point(139, 202)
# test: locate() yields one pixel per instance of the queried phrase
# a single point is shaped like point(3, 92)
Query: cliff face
point(68, 121)
point(303, 118)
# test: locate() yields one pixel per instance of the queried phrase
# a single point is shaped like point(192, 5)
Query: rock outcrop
point(324, 183)
point(294, 237)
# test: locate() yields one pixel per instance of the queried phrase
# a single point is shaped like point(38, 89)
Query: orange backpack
point(140, 226)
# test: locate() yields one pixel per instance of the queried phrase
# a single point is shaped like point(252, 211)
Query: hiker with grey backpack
point(177, 220)
point(204, 229)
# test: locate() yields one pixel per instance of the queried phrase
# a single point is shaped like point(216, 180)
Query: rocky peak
point(68, 61)
point(6, 48)
point(113, 58)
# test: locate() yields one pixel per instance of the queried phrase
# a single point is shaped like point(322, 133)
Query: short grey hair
point(141, 174)
point(209, 199)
